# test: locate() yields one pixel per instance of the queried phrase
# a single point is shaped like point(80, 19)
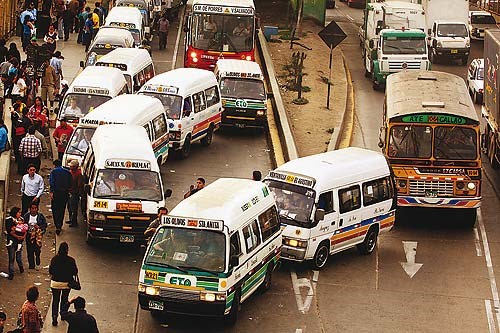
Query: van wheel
point(321, 256)
point(186, 148)
point(207, 140)
point(266, 284)
point(369, 243)
point(232, 317)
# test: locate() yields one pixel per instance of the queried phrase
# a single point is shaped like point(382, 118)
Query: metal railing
point(9, 10)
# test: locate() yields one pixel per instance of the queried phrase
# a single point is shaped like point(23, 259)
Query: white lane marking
point(477, 242)
point(376, 268)
point(489, 315)
point(303, 305)
point(176, 49)
point(298, 330)
point(410, 267)
point(489, 265)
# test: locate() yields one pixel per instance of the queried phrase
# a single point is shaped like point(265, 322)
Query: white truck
point(393, 39)
point(447, 29)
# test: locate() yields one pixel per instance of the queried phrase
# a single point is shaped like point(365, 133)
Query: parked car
point(475, 77)
point(479, 21)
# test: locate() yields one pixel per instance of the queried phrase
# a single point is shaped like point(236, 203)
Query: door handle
point(341, 221)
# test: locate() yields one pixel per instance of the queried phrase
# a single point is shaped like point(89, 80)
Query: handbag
point(75, 283)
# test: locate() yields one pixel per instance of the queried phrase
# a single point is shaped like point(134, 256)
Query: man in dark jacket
point(79, 321)
point(60, 182)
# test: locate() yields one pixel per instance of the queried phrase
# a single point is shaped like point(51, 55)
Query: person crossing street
point(60, 183)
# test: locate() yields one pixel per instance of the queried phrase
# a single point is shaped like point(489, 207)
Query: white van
point(136, 64)
point(129, 18)
point(106, 40)
point(91, 88)
point(144, 8)
point(244, 100)
point(332, 201)
point(213, 251)
point(128, 109)
point(191, 98)
point(125, 187)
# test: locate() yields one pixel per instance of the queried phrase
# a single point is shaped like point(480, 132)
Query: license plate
point(126, 238)
point(431, 194)
point(240, 125)
point(454, 51)
point(155, 305)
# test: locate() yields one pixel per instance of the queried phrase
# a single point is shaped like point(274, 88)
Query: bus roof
point(406, 33)
point(416, 92)
point(124, 15)
point(131, 58)
point(226, 199)
point(142, 4)
point(124, 109)
point(225, 3)
point(110, 80)
point(122, 142)
point(337, 167)
point(395, 5)
point(236, 67)
point(181, 80)
point(112, 35)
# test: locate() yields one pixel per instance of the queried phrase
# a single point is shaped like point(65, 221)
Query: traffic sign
point(332, 35)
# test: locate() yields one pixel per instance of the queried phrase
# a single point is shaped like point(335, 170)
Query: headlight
point(460, 185)
point(471, 186)
point(260, 112)
point(294, 242)
point(141, 288)
point(99, 217)
point(153, 291)
point(208, 297)
point(402, 183)
point(249, 58)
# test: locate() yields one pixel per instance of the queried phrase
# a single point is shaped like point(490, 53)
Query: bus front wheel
point(370, 241)
point(232, 317)
point(321, 256)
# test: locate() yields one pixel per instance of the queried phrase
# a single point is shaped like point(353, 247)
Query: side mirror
point(234, 261)
point(82, 64)
point(136, 88)
point(381, 142)
point(186, 113)
point(371, 44)
point(319, 215)
point(168, 193)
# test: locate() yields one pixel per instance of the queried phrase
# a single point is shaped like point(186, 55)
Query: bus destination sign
point(434, 118)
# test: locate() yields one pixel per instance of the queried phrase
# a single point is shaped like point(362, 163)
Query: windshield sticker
point(192, 223)
point(128, 164)
point(91, 91)
point(439, 119)
point(180, 256)
point(122, 67)
point(223, 10)
point(291, 179)
point(128, 207)
point(160, 88)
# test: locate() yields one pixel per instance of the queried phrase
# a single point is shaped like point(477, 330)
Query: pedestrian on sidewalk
point(51, 38)
point(49, 88)
point(76, 192)
point(163, 24)
point(3, 318)
point(15, 238)
point(64, 129)
point(31, 318)
point(30, 150)
point(60, 182)
point(4, 137)
point(59, 6)
point(56, 62)
point(20, 125)
point(3, 50)
point(14, 52)
point(37, 224)
point(96, 19)
point(73, 9)
point(19, 88)
point(79, 321)
point(28, 27)
point(88, 29)
point(11, 76)
point(62, 268)
point(32, 186)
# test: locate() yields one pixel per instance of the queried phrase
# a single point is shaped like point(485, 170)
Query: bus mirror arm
point(168, 193)
point(319, 215)
point(381, 142)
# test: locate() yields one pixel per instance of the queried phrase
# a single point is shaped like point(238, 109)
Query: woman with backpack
point(62, 270)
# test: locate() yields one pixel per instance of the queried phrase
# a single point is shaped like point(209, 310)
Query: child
point(63, 142)
point(20, 229)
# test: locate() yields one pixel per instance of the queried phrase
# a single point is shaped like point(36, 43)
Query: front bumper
point(410, 201)
point(452, 53)
point(184, 306)
point(120, 227)
point(293, 253)
point(243, 121)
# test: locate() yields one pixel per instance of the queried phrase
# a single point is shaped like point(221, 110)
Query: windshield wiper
point(289, 218)
point(75, 147)
point(199, 269)
point(175, 267)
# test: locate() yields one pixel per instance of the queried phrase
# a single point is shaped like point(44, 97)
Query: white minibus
point(106, 40)
point(191, 99)
point(129, 18)
point(136, 64)
point(332, 201)
point(213, 251)
point(128, 109)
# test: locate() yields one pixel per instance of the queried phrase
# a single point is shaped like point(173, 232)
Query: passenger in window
point(186, 108)
point(240, 30)
point(73, 108)
point(105, 186)
point(210, 28)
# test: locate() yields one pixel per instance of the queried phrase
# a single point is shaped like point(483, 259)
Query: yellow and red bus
point(219, 29)
point(431, 137)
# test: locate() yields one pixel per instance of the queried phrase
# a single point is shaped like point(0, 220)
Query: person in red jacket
point(75, 192)
point(66, 129)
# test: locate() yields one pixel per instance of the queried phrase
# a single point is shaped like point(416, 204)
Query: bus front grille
point(177, 294)
point(421, 187)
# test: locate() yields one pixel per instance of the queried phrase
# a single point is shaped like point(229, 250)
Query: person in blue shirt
point(3, 136)
point(60, 181)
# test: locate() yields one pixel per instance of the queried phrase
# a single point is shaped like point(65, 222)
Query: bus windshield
point(455, 143)
point(294, 203)
point(191, 249)
point(128, 184)
point(404, 45)
point(78, 105)
point(80, 141)
point(222, 33)
point(242, 88)
point(410, 141)
point(171, 103)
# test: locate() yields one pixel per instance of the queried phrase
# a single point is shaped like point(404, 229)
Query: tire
point(369, 243)
point(321, 256)
point(207, 140)
point(469, 218)
point(232, 317)
point(268, 279)
point(186, 148)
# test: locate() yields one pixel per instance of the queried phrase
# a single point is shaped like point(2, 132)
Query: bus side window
point(234, 243)
point(376, 191)
point(325, 202)
point(350, 199)
point(199, 102)
point(251, 235)
point(186, 107)
point(269, 223)
point(212, 95)
point(160, 126)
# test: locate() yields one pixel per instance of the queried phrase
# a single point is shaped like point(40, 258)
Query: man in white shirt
point(73, 109)
point(32, 186)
